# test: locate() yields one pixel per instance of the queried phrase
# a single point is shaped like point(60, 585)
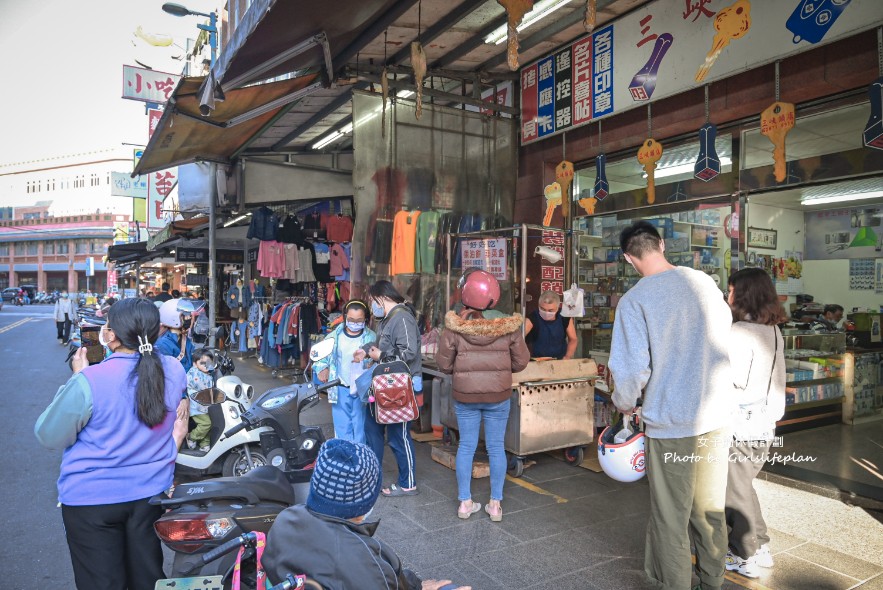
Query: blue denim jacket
point(264, 224)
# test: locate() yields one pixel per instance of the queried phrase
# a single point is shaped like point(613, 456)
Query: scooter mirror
point(321, 350)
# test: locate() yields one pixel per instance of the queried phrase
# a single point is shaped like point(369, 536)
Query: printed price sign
point(489, 254)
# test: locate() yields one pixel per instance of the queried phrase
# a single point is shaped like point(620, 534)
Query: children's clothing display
point(292, 262)
point(264, 224)
point(340, 262)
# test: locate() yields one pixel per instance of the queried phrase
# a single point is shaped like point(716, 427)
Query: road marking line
point(14, 325)
point(535, 489)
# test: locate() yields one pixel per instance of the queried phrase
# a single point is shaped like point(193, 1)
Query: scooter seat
point(263, 483)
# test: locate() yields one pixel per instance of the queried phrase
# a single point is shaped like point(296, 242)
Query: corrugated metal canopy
point(184, 135)
point(380, 31)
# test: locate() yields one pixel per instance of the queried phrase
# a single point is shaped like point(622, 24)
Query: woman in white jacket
point(758, 362)
point(65, 315)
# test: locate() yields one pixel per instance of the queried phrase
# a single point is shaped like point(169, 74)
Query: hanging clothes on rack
point(427, 241)
point(404, 242)
point(271, 259)
point(340, 228)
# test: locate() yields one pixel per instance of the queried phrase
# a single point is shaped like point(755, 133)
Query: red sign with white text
point(153, 117)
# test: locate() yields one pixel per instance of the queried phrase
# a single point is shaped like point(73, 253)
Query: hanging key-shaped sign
point(708, 165)
point(648, 155)
point(515, 11)
point(587, 201)
point(873, 134)
point(733, 22)
point(553, 199)
point(644, 82)
point(602, 187)
point(775, 122)
point(564, 177)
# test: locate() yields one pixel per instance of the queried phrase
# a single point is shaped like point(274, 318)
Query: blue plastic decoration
point(873, 134)
point(708, 165)
point(602, 187)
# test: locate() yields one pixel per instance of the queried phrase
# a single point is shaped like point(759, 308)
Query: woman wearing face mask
point(549, 334)
point(399, 337)
point(347, 411)
point(65, 315)
point(174, 340)
point(117, 424)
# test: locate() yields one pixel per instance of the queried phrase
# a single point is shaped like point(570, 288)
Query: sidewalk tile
point(792, 573)
point(839, 562)
point(471, 540)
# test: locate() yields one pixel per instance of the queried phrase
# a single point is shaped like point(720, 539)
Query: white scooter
point(228, 455)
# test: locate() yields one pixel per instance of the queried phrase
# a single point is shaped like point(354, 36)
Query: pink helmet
point(479, 289)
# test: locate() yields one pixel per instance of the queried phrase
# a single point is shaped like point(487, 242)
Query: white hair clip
point(144, 346)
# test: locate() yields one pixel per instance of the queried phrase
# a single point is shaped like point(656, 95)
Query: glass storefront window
point(82, 246)
point(32, 248)
point(20, 249)
point(4, 249)
point(48, 248)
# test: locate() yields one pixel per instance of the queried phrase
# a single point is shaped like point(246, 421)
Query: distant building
point(57, 213)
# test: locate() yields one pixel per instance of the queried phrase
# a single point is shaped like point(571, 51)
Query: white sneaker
point(190, 444)
point(764, 557)
point(746, 567)
point(204, 449)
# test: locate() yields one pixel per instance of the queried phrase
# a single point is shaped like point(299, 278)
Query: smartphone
point(94, 349)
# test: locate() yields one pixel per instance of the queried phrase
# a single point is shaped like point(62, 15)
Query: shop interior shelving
point(810, 413)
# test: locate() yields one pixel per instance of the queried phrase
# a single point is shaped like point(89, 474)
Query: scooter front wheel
point(236, 463)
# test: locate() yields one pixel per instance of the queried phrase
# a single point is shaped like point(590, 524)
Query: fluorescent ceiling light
point(541, 10)
point(681, 169)
point(328, 140)
point(842, 198)
point(238, 219)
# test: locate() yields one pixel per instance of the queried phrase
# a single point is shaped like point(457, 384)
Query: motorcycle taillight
point(193, 527)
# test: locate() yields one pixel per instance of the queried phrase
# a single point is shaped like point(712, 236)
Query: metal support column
point(212, 274)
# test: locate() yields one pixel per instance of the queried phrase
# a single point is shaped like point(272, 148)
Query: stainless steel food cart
point(553, 406)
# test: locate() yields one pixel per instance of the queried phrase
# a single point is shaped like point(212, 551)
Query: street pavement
point(32, 367)
point(564, 527)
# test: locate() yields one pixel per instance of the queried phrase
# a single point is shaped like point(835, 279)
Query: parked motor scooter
point(231, 455)
point(205, 515)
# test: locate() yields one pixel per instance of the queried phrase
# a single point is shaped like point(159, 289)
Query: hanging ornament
point(515, 9)
point(602, 187)
point(873, 134)
point(418, 62)
point(733, 22)
point(648, 154)
point(553, 198)
point(643, 84)
point(591, 16)
point(775, 123)
point(564, 177)
point(708, 165)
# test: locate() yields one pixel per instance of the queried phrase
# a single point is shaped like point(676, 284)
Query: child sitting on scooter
point(199, 377)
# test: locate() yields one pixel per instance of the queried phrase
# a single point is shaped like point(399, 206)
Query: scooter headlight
point(249, 392)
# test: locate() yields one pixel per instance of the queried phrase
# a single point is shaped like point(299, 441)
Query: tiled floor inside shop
point(568, 527)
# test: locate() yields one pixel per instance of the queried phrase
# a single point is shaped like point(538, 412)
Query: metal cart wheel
point(515, 466)
point(450, 436)
point(574, 455)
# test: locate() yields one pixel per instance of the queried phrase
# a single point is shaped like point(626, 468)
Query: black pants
point(64, 328)
point(745, 520)
point(113, 546)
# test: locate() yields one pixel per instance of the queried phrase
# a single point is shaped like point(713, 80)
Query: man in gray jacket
point(670, 347)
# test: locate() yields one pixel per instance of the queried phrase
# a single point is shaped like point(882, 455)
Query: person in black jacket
point(328, 539)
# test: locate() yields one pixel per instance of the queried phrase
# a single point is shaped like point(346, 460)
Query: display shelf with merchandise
point(816, 387)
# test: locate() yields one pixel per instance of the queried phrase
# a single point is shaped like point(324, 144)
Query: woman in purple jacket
point(117, 424)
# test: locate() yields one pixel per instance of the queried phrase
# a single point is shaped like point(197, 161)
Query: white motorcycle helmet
point(169, 315)
point(624, 461)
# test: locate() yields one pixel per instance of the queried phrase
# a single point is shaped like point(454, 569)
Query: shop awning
point(271, 31)
point(183, 135)
point(174, 229)
point(121, 253)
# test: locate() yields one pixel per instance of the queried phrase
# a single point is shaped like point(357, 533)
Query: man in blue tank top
point(548, 333)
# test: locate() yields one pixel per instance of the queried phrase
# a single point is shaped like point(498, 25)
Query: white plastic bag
point(573, 305)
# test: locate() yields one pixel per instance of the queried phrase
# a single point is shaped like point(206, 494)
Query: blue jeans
point(348, 415)
point(399, 441)
point(469, 417)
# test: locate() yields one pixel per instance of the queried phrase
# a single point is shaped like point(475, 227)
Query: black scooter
point(205, 516)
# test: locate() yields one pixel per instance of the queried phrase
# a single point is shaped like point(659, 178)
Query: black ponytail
point(136, 322)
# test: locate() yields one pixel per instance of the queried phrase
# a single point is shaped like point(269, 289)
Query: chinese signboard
point(121, 232)
point(552, 275)
point(148, 85)
point(200, 256)
point(487, 254)
point(123, 185)
point(659, 50)
point(153, 117)
point(159, 186)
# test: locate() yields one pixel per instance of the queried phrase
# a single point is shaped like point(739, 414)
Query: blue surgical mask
point(377, 310)
point(355, 326)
